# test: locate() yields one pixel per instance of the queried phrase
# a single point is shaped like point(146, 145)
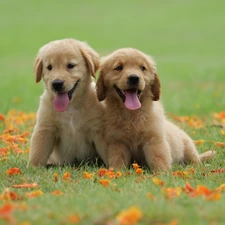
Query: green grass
point(186, 38)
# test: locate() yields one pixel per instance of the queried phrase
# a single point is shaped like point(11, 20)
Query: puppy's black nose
point(133, 79)
point(57, 85)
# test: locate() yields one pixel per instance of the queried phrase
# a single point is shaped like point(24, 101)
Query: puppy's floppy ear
point(38, 67)
point(100, 87)
point(155, 88)
point(91, 57)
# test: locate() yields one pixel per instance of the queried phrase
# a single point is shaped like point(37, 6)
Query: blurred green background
point(186, 38)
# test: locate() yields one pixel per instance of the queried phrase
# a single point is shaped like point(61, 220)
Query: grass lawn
point(186, 38)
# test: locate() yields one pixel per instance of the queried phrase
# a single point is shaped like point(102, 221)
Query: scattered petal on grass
point(135, 166)
point(150, 196)
point(214, 197)
point(66, 176)
point(56, 192)
point(2, 117)
point(8, 195)
point(88, 175)
point(202, 190)
point(3, 158)
point(31, 185)
point(220, 144)
point(184, 174)
point(129, 216)
point(102, 172)
point(74, 219)
point(109, 173)
point(173, 222)
point(157, 181)
point(218, 171)
point(4, 151)
point(25, 223)
point(118, 174)
point(6, 211)
point(220, 115)
point(139, 171)
point(34, 194)
point(13, 171)
point(192, 121)
point(221, 188)
point(104, 182)
point(188, 188)
point(171, 192)
point(199, 142)
point(56, 177)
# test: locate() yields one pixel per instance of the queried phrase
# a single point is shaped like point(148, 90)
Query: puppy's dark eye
point(142, 68)
point(70, 66)
point(49, 67)
point(119, 68)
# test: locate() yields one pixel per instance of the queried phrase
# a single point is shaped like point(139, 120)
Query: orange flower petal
point(31, 185)
point(74, 219)
point(56, 192)
point(66, 176)
point(157, 181)
point(171, 192)
point(13, 171)
point(150, 196)
point(56, 177)
point(102, 172)
point(214, 197)
point(4, 151)
point(88, 175)
point(135, 166)
point(104, 182)
point(203, 190)
point(139, 171)
point(173, 222)
point(199, 142)
point(221, 188)
point(129, 216)
point(118, 174)
point(33, 194)
point(220, 144)
point(2, 117)
point(219, 171)
point(6, 211)
point(10, 195)
point(188, 188)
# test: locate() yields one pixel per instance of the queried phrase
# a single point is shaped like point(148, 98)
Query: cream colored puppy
point(135, 126)
point(68, 127)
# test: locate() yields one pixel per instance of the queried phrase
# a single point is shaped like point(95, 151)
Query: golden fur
point(143, 135)
point(69, 136)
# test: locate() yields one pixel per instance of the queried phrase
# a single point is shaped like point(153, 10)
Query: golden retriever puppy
point(135, 126)
point(69, 116)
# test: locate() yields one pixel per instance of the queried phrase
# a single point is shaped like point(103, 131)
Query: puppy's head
point(65, 66)
point(128, 75)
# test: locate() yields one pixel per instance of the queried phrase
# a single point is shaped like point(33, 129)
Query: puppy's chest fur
point(128, 128)
point(73, 141)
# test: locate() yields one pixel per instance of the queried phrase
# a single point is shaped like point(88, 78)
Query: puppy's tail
point(207, 155)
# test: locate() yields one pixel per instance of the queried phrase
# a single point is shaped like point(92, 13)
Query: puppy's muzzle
point(58, 85)
point(133, 80)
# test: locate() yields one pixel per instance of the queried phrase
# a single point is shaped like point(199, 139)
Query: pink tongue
point(61, 102)
point(132, 102)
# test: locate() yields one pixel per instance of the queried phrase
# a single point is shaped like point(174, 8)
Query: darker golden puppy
point(135, 126)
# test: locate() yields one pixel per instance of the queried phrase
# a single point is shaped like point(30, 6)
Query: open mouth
point(70, 93)
point(62, 99)
point(130, 97)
